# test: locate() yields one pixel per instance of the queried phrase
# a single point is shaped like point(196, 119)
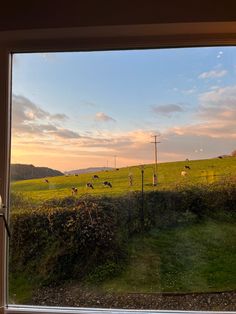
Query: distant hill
point(88, 170)
point(25, 172)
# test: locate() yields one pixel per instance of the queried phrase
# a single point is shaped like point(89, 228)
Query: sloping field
point(169, 176)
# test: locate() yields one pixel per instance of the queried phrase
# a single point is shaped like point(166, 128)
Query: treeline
point(25, 172)
point(87, 238)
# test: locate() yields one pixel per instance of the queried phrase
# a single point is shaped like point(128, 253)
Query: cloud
point(214, 87)
point(58, 116)
point(24, 109)
point(48, 56)
point(189, 91)
point(28, 119)
point(167, 110)
point(219, 106)
point(211, 132)
point(102, 117)
point(220, 97)
point(216, 115)
point(219, 55)
point(212, 74)
point(65, 133)
point(88, 103)
point(41, 136)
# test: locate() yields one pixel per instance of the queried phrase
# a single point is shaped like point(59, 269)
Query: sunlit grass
point(169, 176)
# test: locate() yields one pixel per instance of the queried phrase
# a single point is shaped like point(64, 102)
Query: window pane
point(123, 179)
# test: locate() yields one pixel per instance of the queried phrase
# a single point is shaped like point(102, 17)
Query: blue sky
point(76, 110)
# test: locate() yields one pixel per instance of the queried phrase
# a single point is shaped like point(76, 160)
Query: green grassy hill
point(169, 175)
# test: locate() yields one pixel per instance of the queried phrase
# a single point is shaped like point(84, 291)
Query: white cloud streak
point(212, 74)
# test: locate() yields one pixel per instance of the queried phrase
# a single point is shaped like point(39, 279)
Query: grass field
point(169, 175)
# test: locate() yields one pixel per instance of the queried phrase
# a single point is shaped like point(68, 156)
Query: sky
point(80, 109)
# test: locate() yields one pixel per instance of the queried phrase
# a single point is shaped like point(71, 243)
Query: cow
point(74, 191)
point(187, 167)
point(107, 183)
point(117, 169)
point(89, 185)
point(220, 157)
point(46, 181)
point(95, 176)
point(184, 173)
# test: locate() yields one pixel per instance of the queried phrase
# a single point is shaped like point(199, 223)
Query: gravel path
point(74, 295)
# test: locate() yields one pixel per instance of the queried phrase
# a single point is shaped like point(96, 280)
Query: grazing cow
point(95, 176)
point(76, 175)
point(107, 183)
point(89, 185)
point(74, 191)
point(184, 173)
point(46, 181)
point(187, 167)
point(220, 157)
point(117, 169)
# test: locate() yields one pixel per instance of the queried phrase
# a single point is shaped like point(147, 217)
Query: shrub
point(62, 243)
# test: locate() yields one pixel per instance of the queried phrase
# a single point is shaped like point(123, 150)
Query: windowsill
point(26, 309)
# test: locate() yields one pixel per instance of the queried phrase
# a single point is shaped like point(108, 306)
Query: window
point(163, 110)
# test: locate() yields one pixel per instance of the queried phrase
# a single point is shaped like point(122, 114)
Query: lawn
point(194, 258)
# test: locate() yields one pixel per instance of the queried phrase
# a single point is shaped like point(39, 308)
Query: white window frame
point(86, 39)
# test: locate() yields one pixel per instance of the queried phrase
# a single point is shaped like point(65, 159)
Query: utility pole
point(155, 156)
point(142, 198)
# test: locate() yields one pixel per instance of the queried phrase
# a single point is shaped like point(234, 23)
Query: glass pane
point(123, 177)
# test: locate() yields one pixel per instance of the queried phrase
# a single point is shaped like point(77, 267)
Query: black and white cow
point(74, 191)
point(89, 185)
point(107, 183)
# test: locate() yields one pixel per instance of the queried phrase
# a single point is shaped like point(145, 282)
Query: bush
point(62, 243)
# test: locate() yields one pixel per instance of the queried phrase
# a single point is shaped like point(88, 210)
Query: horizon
point(112, 168)
point(77, 110)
